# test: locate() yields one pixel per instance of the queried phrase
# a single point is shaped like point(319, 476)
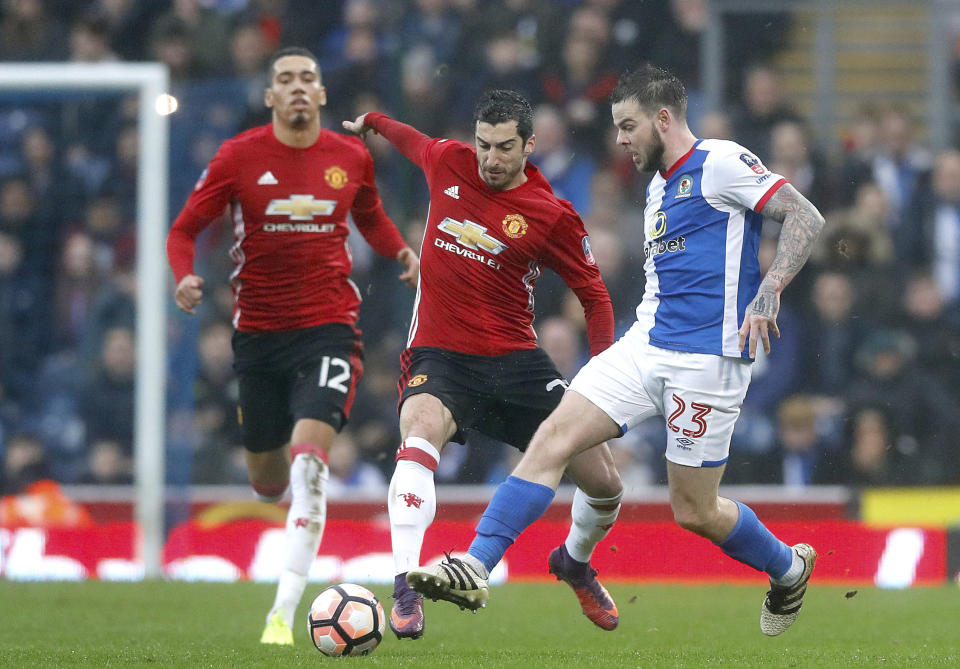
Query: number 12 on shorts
point(700, 412)
point(331, 378)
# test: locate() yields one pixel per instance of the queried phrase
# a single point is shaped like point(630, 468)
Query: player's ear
point(663, 119)
point(268, 98)
point(323, 96)
point(528, 147)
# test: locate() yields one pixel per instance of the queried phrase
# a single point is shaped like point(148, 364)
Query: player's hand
point(357, 127)
point(189, 293)
point(411, 262)
point(760, 320)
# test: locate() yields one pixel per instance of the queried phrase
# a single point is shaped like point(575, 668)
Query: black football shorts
point(505, 397)
point(288, 375)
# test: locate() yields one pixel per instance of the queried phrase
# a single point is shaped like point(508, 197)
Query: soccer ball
point(346, 619)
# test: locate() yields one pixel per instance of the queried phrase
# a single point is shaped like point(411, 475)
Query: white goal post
point(151, 81)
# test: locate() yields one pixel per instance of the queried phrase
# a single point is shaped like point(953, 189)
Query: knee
point(268, 489)
point(692, 518)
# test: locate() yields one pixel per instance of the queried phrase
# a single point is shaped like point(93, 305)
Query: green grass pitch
point(536, 626)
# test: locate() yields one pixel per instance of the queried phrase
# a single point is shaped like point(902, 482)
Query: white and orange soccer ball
point(346, 619)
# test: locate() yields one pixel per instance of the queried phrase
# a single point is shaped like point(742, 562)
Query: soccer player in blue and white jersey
point(687, 358)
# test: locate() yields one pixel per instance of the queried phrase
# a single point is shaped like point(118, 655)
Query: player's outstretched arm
point(358, 126)
point(802, 224)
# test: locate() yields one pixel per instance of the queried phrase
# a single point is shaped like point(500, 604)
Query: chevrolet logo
point(301, 207)
point(471, 235)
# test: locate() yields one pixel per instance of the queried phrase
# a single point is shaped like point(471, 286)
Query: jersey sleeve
point(570, 256)
point(371, 219)
point(738, 178)
point(421, 150)
point(206, 203)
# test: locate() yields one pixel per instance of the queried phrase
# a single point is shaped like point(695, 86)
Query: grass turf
point(539, 626)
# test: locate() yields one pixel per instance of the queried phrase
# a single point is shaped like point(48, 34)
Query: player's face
point(638, 136)
point(501, 154)
point(295, 93)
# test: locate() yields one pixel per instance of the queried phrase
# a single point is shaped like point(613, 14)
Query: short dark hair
point(290, 51)
point(652, 87)
point(501, 106)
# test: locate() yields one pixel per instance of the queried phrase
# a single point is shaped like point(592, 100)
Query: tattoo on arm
point(802, 224)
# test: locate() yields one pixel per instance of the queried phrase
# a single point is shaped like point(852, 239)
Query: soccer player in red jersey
point(289, 186)
point(472, 360)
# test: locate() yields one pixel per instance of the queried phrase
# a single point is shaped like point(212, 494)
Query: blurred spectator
point(922, 419)
point(936, 329)
point(569, 172)
point(760, 109)
point(431, 24)
point(204, 32)
point(930, 235)
point(676, 43)
point(860, 147)
point(24, 463)
point(856, 238)
point(108, 463)
point(215, 394)
point(76, 289)
point(24, 323)
point(29, 32)
point(801, 455)
point(833, 331)
point(349, 473)
point(90, 40)
point(900, 164)
point(873, 459)
point(559, 338)
point(791, 157)
point(582, 82)
point(55, 189)
point(106, 397)
point(21, 217)
point(715, 125)
point(500, 65)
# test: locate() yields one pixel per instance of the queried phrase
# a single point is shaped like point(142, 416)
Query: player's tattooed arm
point(802, 224)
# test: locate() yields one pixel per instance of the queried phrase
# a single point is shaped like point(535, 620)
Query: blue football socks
point(752, 543)
point(516, 504)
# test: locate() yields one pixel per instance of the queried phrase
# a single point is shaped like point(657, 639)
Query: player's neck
point(298, 138)
point(676, 147)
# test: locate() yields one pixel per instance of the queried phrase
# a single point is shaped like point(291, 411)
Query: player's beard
point(300, 120)
point(654, 159)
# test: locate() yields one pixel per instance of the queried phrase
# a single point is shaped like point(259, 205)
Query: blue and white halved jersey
point(702, 232)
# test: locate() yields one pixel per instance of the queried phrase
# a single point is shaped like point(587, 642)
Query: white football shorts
point(699, 395)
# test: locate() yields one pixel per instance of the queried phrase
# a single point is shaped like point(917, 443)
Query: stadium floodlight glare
point(151, 81)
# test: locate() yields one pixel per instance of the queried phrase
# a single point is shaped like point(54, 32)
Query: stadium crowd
point(861, 389)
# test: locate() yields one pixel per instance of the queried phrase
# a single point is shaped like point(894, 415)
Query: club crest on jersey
point(753, 163)
point(587, 253)
point(684, 187)
point(418, 380)
point(336, 177)
point(301, 207)
point(658, 226)
point(514, 226)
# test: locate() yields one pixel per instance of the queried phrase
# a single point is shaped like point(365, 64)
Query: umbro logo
point(453, 191)
point(267, 179)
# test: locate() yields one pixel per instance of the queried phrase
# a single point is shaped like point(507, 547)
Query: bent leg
point(733, 526)
point(574, 426)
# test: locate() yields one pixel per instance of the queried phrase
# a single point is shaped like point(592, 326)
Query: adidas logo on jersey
point(267, 179)
point(453, 191)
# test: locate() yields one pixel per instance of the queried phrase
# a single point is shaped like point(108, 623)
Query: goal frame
point(150, 81)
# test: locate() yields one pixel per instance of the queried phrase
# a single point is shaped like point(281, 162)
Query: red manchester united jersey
point(289, 209)
point(483, 251)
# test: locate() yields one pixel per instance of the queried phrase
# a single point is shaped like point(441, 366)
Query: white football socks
point(305, 521)
point(793, 573)
point(412, 503)
point(590, 525)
